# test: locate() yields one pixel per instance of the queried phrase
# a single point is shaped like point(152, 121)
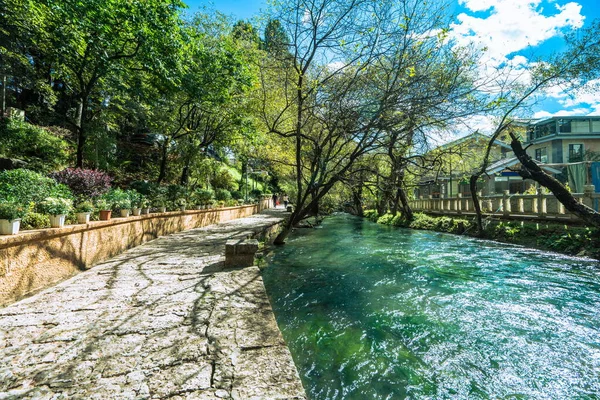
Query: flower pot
point(199, 207)
point(105, 215)
point(124, 213)
point(57, 221)
point(10, 227)
point(161, 209)
point(181, 208)
point(83, 217)
point(145, 211)
point(136, 212)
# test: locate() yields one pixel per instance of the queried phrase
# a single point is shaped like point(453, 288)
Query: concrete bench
point(240, 252)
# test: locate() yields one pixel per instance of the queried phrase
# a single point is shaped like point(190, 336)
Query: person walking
point(286, 199)
point(274, 200)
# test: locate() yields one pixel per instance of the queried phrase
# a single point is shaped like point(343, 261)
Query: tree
point(573, 68)
point(356, 71)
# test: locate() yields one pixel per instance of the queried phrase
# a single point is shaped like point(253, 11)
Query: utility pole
point(3, 95)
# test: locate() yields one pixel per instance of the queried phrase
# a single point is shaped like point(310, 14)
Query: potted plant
point(160, 206)
point(221, 204)
point(145, 205)
point(181, 203)
point(210, 204)
point(10, 217)
point(105, 208)
point(57, 209)
point(84, 210)
point(136, 202)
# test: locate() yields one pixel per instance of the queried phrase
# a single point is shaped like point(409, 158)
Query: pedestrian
point(286, 199)
point(275, 200)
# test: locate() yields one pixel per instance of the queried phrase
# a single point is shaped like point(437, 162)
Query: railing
point(543, 206)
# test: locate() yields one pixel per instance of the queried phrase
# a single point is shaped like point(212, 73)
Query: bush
point(12, 210)
point(25, 186)
point(256, 193)
point(222, 195)
point(56, 206)
point(175, 192)
point(385, 219)
point(42, 150)
point(202, 196)
point(84, 183)
point(237, 195)
point(371, 215)
point(224, 180)
point(34, 220)
point(115, 199)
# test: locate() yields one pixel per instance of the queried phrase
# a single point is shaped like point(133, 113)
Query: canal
point(377, 312)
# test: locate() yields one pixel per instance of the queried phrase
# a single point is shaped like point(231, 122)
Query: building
point(571, 144)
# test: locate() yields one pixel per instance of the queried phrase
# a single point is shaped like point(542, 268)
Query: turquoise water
point(376, 312)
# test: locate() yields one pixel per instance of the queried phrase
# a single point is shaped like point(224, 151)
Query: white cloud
point(513, 25)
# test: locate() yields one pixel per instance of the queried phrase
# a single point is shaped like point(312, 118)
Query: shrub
point(34, 220)
point(224, 180)
point(371, 215)
point(25, 186)
point(256, 193)
point(236, 194)
point(84, 207)
point(84, 183)
point(202, 196)
point(42, 150)
point(117, 199)
point(12, 210)
point(385, 219)
point(56, 206)
point(222, 195)
point(175, 192)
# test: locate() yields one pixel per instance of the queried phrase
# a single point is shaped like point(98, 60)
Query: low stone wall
point(33, 260)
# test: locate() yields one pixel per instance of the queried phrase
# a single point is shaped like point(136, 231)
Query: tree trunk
point(163, 162)
point(3, 95)
point(357, 200)
point(530, 170)
point(407, 212)
point(79, 122)
point(476, 206)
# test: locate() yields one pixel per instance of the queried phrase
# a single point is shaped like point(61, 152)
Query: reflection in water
point(376, 312)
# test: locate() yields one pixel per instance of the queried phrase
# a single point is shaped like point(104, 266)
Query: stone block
point(240, 252)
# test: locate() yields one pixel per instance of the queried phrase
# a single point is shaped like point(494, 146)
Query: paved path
point(162, 321)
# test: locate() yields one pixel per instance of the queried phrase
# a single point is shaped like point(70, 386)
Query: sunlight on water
point(374, 312)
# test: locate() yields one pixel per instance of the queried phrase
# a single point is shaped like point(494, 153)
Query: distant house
point(459, 159)
point(571, 144)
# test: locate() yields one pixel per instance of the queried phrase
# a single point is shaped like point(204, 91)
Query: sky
point(513, 31)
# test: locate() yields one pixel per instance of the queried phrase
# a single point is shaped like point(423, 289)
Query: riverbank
point(165, 320)
point(560, 238)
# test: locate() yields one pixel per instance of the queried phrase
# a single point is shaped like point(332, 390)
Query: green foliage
point(202, 196)
point(385, 219)
point(371, 215)
point(237, 195)
point(84, 207)
point(116, 199)
point(42, 150)
point(34, 220)
point(55, 206)
point(12, 210)
point(25, 186)
point(224, 180)
point(222, 195)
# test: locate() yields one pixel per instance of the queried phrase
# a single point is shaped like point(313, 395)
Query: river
point(377, 312)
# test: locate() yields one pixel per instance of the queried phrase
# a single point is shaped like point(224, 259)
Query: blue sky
point(513, 31)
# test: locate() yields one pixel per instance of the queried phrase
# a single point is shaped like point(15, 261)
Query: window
point(575, 152)
point(541, 155)
point(580, 126)
point(564, 125)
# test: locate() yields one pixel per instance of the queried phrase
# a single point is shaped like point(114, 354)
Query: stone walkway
point(164, 320)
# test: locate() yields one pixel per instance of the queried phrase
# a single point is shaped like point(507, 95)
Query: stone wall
point(34, 260)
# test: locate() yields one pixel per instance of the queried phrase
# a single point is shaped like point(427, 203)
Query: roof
point(501, 165)
point(474, 135)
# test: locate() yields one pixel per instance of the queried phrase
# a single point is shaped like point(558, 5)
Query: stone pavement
point(164, 320)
